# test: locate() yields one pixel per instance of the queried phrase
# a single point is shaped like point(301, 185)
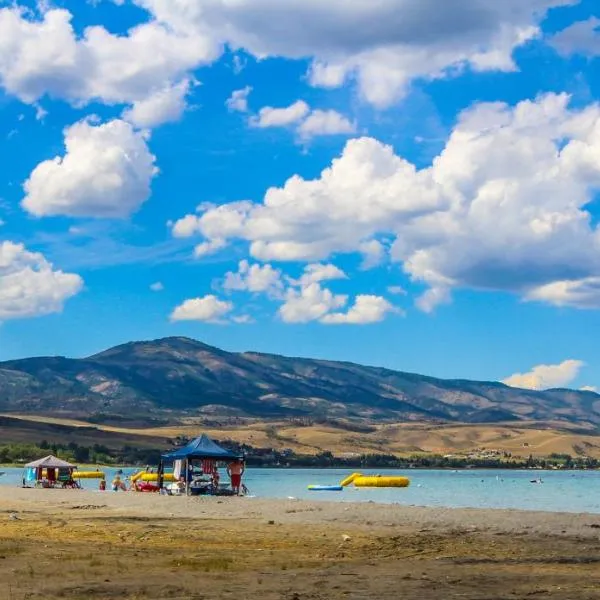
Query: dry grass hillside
point(538, 439)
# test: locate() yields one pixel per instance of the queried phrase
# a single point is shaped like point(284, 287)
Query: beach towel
point(177, 469)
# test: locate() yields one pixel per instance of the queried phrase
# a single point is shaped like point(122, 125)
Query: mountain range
point(176, 377)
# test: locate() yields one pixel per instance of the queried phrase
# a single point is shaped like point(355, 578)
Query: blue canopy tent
point(201, 448)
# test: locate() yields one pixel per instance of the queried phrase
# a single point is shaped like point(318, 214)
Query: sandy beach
point(77, 544)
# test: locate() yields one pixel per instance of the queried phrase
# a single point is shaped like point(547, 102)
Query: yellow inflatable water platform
point(381, 481)
point(145, 476)
point(350, 479)
point(360, 480)
point(88, 475)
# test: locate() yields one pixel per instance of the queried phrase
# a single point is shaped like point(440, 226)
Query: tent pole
point(187, 481)
point(161, 477)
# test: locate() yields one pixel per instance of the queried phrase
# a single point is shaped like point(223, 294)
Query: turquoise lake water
point(564, 491)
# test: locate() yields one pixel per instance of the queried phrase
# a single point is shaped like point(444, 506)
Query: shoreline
point(340, 468)
point(313, 511)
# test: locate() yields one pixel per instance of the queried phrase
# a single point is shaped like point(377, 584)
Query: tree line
point(19, 453)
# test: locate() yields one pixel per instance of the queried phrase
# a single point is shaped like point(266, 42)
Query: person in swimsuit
point(235, 471)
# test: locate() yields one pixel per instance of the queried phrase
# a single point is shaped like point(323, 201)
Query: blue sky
point(420, 194)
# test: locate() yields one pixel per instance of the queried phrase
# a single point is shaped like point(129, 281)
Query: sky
point(410, 184)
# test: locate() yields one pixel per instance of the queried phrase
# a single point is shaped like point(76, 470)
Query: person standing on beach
point(235, 471)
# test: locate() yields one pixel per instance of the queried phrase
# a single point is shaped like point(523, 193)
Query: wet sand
point(76, 544)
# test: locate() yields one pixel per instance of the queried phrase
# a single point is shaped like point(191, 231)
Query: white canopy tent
point(49, 462)
point(49, 471)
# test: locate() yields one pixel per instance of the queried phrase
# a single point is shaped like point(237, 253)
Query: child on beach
point(117, 484)
point(215, 480)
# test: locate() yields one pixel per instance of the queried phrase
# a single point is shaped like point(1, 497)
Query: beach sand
point(81, 545)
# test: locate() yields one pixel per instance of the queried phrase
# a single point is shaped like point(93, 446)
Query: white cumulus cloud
point(163, 106)
point(208, 308)
point(491, 213)
point(209, 247)
point(544, 377)
point(29, 284)
point(582, 38)
point(186, 226)
point(309, 303)
point(254, 278)
point(238, 101)
point(373, 253)
point(280, 117)
point(307, 300)
point(325, 122)
point(404, 40)
point(106, 172)
point(582, 293)
point(308, 123)
point(318, 272)
point(42, 55)
point(366, 309)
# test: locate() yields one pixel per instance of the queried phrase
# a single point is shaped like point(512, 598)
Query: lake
point(562, 491)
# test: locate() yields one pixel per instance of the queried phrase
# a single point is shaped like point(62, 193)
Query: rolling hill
point(174, 378)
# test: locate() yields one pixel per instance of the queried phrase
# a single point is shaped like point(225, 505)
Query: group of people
point(235, 470)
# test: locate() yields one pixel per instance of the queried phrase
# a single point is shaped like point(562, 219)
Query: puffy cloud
point(582, 37)
point(209, 309)
point(214, 222)
point(309, 303)
point(366, 309)
point(589, 388)
point(306, 300)
point(186, 227)
point(366, 190)
point(546, 376)
point(325, 122)
point(316, 273)
point(432, 298)
point(503, 207)
point(280, 117)
point(29, 285)
point(163, 106)
point(238, 101)
point(105, 173)
point(255, 279)
point(209, 247)
point(582, 293)
point(402, 42)
point(373, 252)
point(308, 124)
point(44, 56)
